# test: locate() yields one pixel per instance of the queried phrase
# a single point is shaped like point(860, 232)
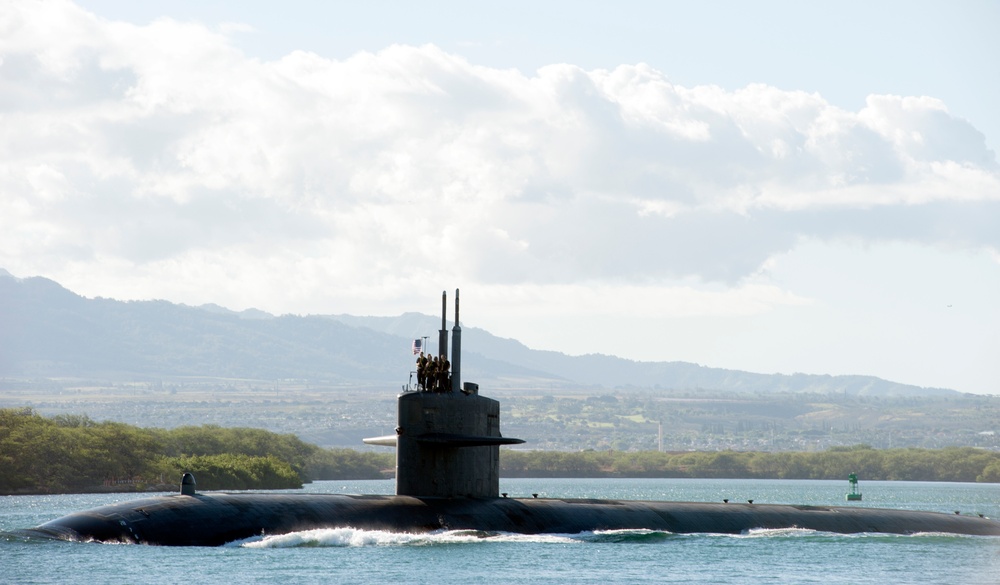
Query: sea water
point(346, 555)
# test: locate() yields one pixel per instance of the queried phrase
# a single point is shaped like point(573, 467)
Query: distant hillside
point(48, 331)
point(600, 370)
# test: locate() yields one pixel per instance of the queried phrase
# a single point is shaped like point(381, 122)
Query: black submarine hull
point(447, 478)
point(213, 519)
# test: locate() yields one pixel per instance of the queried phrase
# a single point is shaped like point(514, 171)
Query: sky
point(777, 187)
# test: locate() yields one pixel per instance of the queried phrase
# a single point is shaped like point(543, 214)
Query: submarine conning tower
point(448, 441)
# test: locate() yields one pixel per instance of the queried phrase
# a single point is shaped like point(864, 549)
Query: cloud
point(164, 151)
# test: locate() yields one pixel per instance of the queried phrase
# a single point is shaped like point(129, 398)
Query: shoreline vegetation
point(74, 454)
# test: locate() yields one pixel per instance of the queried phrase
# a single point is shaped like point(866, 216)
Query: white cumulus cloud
point(162, 153)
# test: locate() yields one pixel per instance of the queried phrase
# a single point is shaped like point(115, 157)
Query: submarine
point(447, 442)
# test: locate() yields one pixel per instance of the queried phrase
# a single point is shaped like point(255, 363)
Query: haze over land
point(768, 187)
point(50, 332)
point(333, 379)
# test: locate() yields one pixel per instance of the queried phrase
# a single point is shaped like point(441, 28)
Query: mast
point(443, 333)
point(456, 351)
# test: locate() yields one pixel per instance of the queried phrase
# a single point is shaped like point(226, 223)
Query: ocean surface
point(344, 555)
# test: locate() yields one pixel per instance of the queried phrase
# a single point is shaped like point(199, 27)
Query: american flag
point(418, 346)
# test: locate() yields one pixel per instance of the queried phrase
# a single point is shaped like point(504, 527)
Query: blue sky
point(768, 186)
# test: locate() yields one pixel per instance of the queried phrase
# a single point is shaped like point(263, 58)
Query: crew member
point(444, 383)
point(421, 371)
point(430, 374)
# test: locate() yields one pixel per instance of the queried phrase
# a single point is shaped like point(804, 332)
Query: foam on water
point(353, 537)
point(626, 536)
point(778, 532)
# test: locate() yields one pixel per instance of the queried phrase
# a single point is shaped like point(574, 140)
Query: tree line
point(70, 453)
point(965, 464)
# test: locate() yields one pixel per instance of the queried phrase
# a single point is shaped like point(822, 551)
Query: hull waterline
point(217, 518)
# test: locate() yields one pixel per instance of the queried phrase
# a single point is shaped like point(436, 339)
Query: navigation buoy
point(854, 495)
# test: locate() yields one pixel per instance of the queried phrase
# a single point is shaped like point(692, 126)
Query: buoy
point(854, 495)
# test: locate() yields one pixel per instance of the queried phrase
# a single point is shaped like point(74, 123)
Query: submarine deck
point(212, 519)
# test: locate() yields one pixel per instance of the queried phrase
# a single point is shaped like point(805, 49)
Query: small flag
point(418, 346)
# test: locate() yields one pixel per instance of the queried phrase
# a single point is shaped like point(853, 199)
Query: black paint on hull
point(217, 518)
point(447, 478)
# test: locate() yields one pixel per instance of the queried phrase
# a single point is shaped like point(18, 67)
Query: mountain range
point(47, 331)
